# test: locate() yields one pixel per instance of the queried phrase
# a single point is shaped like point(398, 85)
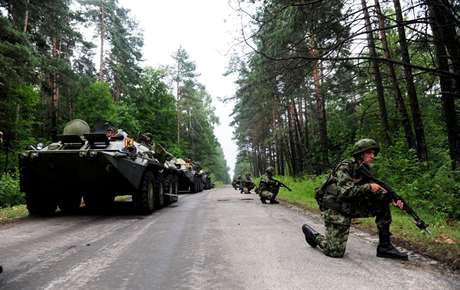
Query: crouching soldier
point(268, 187)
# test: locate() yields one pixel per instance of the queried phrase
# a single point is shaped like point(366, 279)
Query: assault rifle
point(282, 184)
point(364, 171)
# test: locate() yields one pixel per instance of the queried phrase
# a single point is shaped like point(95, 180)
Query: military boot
point(274, 201)
point(386, 250)
point(262, 199)
point(310, 235)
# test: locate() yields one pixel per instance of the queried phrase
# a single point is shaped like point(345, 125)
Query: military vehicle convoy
point(97, 168)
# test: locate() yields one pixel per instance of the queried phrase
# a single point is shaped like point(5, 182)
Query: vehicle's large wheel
point(70, 204)
point(159, 191)
point(197, 185)
point(208, 183)
point(193, 187)
point(169, 188)
point(40, 204)
point(144, 198)
point(200, 185)
point(176, 188)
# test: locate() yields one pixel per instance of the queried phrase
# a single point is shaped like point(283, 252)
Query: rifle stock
point(363, 170)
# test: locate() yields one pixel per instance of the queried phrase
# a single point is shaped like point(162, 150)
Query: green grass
point(218, 183)
point(13, 213)
point(123, 197)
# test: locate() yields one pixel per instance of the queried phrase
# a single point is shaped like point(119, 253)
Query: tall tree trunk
point(448, 93)
point(446, 21)
point(385, 127)
point(285, 155)
point(102, 42)
point(296, 160)
point(411, 91)
point(276, 139)
point(303, 142)
point(178, 106)
point(26, 17)
point(53, 85)
point(18, 105)
point(313, 137)
point(394, 82)
point(117, 85)
point(320, 106)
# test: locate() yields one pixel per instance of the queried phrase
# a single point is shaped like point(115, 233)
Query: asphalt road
point(215, 239)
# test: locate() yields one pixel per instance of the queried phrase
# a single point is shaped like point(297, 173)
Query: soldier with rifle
point(269, 187)
point(348, 194)
point(247, 184)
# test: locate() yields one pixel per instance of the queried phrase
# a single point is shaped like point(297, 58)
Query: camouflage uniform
point(142, 138)
point(196, 166)
point(354, 197)
point(345, 196)
point(248, 184)
point(158, 151)
point(268, 187)
point(238, 181)
point(235, 183)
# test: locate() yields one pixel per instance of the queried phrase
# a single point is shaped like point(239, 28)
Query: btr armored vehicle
point(96, 167)
point(189, 178)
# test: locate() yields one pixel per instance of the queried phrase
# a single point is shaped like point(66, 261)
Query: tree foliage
point(321, 75)
point(49, 76)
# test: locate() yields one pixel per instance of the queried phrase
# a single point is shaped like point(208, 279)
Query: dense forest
point(66, 59)
point(320, 75)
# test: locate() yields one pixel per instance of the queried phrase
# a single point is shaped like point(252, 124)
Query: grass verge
point(13, 213)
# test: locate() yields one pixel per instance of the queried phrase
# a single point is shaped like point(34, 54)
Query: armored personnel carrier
point(96, 167)
point(189, 178)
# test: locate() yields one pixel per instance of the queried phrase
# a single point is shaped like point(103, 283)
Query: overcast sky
point(204, 29)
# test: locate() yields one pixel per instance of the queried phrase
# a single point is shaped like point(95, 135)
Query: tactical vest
point(273, 187)
point(327, 195)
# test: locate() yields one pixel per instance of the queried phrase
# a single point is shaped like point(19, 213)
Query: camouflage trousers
point(267, 194)
point(246, 190)
point(338, 224)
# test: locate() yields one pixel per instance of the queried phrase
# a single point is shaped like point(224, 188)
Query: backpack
point(320, 192)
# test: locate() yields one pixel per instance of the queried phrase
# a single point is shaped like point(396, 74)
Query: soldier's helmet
point(270, 169)
point(149, 135)
point(363, 145)
point(247, 173)
point(76, 127)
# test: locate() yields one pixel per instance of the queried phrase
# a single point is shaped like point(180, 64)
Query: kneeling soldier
point(345, 196)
